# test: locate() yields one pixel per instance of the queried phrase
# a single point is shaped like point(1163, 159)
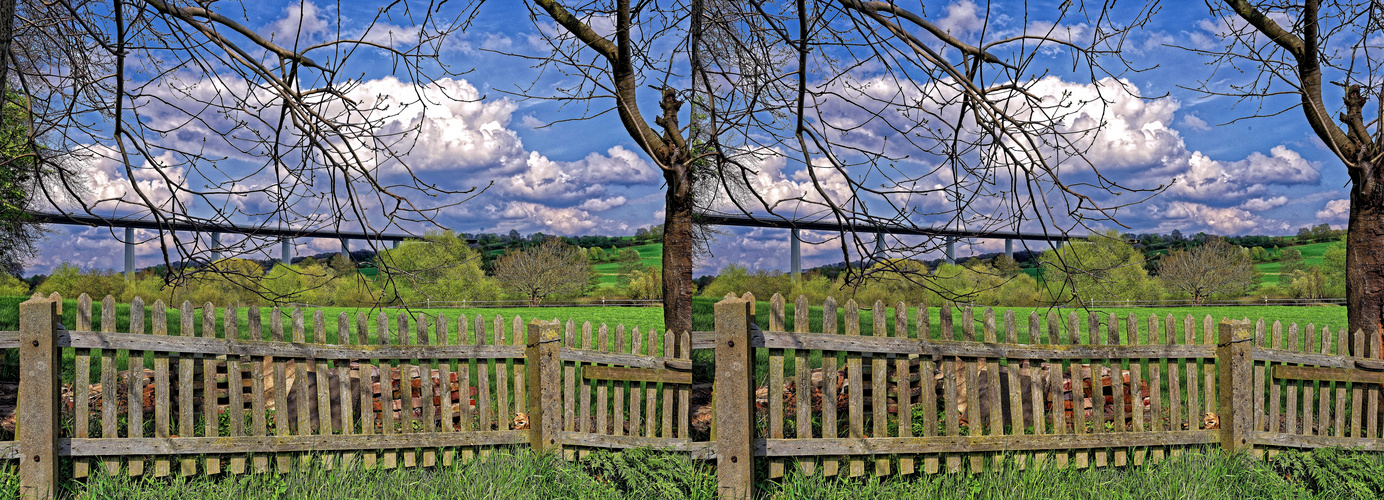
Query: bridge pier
point(130, 253)
point(1009, 248)
point(345, 249)
point(284, 256)
point(395, 244)
point(215, 246)
point(951, 250)
point(795, 254)
point(878, 254)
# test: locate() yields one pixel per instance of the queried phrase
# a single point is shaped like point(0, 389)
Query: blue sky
point(1261, 176)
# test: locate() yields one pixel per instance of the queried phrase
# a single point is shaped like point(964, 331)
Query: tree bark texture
point(1365, 263)
point(678, 246)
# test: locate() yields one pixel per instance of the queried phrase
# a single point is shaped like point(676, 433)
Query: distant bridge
point(285, 235)
point(951, 235)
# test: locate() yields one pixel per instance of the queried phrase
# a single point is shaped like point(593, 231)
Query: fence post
point(734, 395)
point(38, 399)
point(1235, 364)
point(544, 385)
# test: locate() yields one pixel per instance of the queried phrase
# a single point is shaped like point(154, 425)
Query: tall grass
point(645, 475)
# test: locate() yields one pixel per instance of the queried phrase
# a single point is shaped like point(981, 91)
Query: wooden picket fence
point(903, 396)
point(380, 392)
point(973, 394)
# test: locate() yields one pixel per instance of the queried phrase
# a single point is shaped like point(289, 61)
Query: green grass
point(1311, 255)
point(640, 474)
point(649, 255)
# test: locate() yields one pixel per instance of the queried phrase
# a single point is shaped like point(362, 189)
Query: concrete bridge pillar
point(215, 246)
point(795, 254)
point(1009, 248)
point(285, 256)
point(951, 250)
point(129, 253)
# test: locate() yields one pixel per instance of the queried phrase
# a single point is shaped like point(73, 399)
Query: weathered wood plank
point(304, 350)
point(569, 385)
point(1260, 390)
point(162, 398)
point(1357, 391)
point(389, 459)
point(928, 399)
point(1372, 391)
point(949, 348)
point(1117, 391)
point(484, 418)
point(426, 366)
point(978, 444)
point(669, 394)
point(81, 411)
point(210, 418)
point(855, 410)
point(407, 420)
point(702, 450)
point(1016, 391)
point(324, 390)
point(1300, 441)
point(1081, 458)
point(635, 388)
point(282, 419)
point(1309, 387)
point(302, 425)
point(802, 382)
point(110, 427)
point(602, 386)
point(879, 387)
point(776, 382)
point(903, 391)
point(684, 392)
point(1276, 386)
point(369, 371)
point(465, 367)
point(1324, 389)
point(1098, 426)
point(1194, 413)
point(635, 374)
point(284, 444)
point(974, 425)
point(135, 365)
point(258, 406)
point(1053, 335)
point(617, 413)
point(584, 421)
point(1291, 406)
point(347, 397)
point(830, 391)
point(504, 411)
point(1156, 388)
point(1342, 348)
point(651, 388)
point(1176, 418)
point(1136, 378)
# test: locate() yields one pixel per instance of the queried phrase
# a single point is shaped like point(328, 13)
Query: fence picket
point(484, 420)
point(1309, 387)
point(651, 388)
point(992, 376)
point(210, 420)
point(1082, 458)
point(975, 424)
point(110, 428)
point(602, 386)
point(1117, 387)
point(343, 378)
point(1056, 369)
point(518, 337)
point(635, 389)
point(1291, 407)
point(465, 368)
point(1342, 349)
point(617, 412)
point(187, 466)
point(369, 371)
point(1324, 390)
point(81, 399)
point(569, 389)
point(1156, 391)
point(389, 459)
point(584, 422)
point(407, 367)
point(134, 392)
point(1016, 391)
point(1194, 413)
point(879, 388)
point(927, 382)
point(258, 407)
point(1093, 337)
point(1136, 379)
point(903, 388)
point(161, 388)
point(775, 379)
point(282, 418)
point(504, 411)
point(669, 393)
point(855, 392)
point(1357, 390)
point(426, 391)
point(684, 391)
point(830, 395)
point(1175, 413)
point(235, 387)
point(1260, 390)
point(1372, 406)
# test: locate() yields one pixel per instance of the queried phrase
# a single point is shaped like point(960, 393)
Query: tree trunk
point(1365, 263)
point(677, 253)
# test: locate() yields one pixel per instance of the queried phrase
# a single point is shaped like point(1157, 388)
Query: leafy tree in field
point(1308, 283)
point(69, 281)
point(645, 284)
point(1290, 260)
point(227, 282)
point(1334, 267)
point(12, 286)
point(553, 268)
point(441, 267)
point(1105, 268)
point(1214, 268)
point(19, 174)
point(1006, 265)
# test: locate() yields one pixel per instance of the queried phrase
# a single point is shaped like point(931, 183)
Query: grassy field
point(644, 475)
point(1311, 255)
point(649, 255)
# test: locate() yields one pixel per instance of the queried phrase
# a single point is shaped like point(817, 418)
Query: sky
point(544, 172)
